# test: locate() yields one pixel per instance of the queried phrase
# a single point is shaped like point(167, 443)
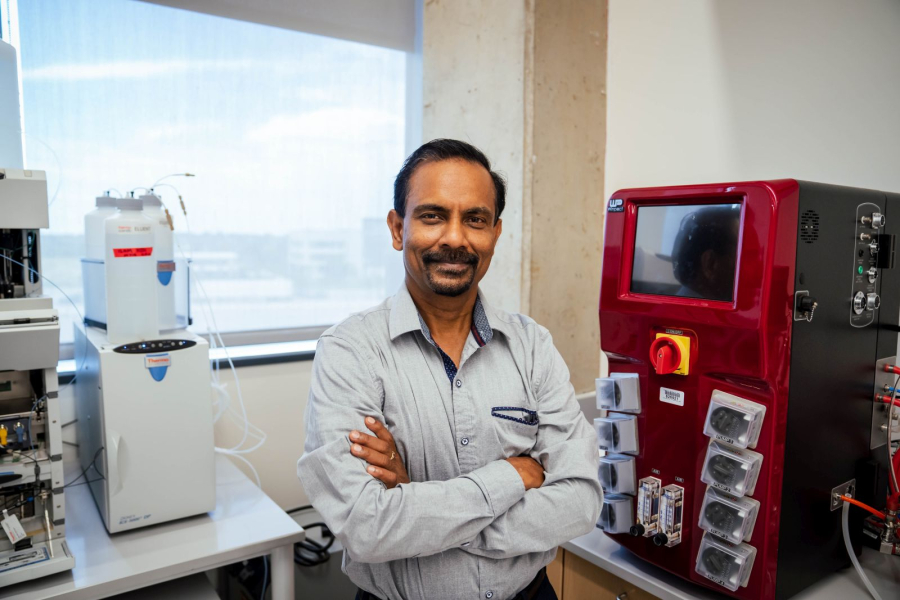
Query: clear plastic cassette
point(729, 517)
point(617, 474)
point(726, 564)
point(619, 392)
point(734, 420)
point(617, 433)
point(617, 513)
point(732, 470)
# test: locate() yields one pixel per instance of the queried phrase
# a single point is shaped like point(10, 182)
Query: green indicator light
point(860, 269)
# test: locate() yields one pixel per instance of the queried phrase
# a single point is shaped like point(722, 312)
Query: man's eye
point(430, 216)
point(478, 220)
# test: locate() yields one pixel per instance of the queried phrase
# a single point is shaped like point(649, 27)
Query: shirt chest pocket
point(515, 421)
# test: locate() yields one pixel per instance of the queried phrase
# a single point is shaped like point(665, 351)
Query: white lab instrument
point(164, 249)
point(145, 427)
point(94, 229)
point(11, 154)
point(161, 274)
point(31, 472)
point(132, 312)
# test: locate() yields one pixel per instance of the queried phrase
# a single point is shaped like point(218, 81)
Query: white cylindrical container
point(94, 232)
point(132, 312)
point(164, 250)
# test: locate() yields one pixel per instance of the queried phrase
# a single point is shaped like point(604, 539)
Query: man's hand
point(381, 453)
point(530, 470)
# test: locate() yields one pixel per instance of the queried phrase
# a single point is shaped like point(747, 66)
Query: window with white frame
point(294, 139)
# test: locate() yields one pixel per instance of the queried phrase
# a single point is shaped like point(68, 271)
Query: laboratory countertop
point(597, 548)
point(245, 524)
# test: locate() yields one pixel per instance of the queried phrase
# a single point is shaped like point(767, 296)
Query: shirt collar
point(405, 317)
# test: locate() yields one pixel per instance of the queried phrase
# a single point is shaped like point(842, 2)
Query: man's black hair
point(709, 228)
point(444, 149)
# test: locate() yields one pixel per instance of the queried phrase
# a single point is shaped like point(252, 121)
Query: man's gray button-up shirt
point(464, 527)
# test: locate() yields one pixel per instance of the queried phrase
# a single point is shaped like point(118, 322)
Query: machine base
point(35, 562)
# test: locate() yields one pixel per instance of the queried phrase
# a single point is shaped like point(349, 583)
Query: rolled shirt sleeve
point(568, 504)
point(373, 523)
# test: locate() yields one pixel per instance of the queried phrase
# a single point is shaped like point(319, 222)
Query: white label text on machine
point(12, 527)
point(671, 396)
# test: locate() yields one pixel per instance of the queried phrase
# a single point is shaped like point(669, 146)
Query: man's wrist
point(501, 484)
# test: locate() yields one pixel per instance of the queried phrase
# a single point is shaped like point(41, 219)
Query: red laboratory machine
point(751, 330)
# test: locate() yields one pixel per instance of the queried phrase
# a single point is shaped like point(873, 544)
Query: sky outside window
point(294, 138)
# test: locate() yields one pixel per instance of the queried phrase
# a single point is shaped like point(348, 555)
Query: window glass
point(294, 139)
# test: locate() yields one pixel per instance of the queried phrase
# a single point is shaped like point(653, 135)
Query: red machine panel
point(735, 340)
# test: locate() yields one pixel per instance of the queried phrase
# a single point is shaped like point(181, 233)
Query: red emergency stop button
point(665, 355)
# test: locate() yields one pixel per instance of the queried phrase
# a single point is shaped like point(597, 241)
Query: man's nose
point(454, 234)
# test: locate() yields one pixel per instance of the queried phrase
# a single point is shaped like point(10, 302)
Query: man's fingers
point(372, 442)
point(378, 428)
point(389, 478)
point(371, 456)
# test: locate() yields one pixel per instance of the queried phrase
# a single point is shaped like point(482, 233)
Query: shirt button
point(464, 441)
point(489, 594)
point(459, 383)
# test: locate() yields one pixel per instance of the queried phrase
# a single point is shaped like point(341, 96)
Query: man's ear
point(395, 224)
point(708, 264)
point(498, 230)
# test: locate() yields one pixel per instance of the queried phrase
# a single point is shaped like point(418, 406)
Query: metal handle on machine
point(112, 462)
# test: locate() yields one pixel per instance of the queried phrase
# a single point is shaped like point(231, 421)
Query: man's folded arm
point(568, 504)
point(373, 523)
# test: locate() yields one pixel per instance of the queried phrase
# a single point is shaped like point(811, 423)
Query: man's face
point(448, 234)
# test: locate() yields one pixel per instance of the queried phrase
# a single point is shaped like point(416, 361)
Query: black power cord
point(93, 464)
point(310, 553)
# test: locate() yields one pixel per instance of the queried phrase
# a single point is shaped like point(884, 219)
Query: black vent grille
point(809, 226)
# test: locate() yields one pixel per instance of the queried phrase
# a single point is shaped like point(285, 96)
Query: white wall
point(706, 90)
point(275, 397)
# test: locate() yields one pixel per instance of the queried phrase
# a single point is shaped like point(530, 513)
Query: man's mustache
point(458, 256)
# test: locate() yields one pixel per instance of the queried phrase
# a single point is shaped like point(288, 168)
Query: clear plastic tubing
point(852, 554)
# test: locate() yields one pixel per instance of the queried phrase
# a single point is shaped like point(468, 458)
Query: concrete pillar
point(473, 65)
point(524, 81)
point(567, 208)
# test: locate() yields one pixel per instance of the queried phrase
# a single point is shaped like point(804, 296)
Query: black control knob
point(636, 530)
point(660, 539)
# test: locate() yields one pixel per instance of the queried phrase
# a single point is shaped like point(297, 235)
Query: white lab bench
point(600, 550)
point(245, 524)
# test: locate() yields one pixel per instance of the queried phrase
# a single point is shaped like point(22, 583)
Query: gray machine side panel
point(23, 199)
point(88, 402)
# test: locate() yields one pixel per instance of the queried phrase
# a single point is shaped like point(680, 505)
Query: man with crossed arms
point(478, 462)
